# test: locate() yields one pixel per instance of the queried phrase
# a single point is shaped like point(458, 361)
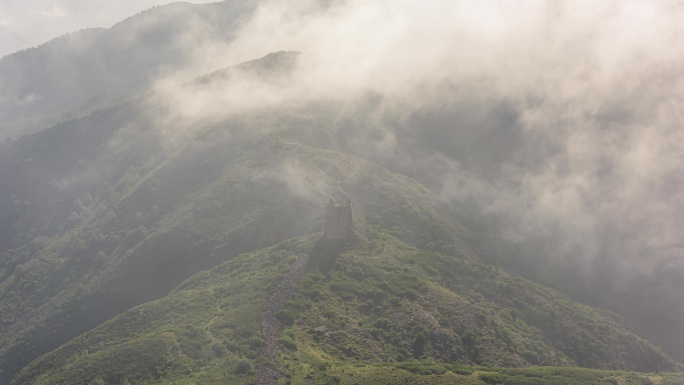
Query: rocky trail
point(270, 327)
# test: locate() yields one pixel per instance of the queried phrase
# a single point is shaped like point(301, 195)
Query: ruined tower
point(338, 220)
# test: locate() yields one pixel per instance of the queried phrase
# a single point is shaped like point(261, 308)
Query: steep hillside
point(155, 224)
point(117, 208)
point(376, 309)
point(73, 253)
point(121, 244)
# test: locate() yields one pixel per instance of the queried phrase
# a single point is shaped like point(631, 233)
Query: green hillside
point(133, 253)
point(127, 243)
point(407, 298)
point(377, 308)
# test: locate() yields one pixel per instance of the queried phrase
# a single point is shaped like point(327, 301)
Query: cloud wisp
point(594, 91)
point(559, 119)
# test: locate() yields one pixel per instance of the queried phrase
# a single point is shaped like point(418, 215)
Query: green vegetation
point(388, 311)
point(160, 275)
point(153, 224)
point(207, 330)
point(385, 300)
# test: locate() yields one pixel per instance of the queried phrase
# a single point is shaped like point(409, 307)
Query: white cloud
point(599, 83)
point(56, 11)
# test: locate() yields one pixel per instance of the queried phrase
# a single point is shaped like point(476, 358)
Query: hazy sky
point(25, 23)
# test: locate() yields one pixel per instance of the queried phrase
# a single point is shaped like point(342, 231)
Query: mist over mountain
point(540, 138)
point(10, 41)
point(78, 73)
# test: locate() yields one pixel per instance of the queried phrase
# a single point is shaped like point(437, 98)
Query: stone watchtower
point(338, 220)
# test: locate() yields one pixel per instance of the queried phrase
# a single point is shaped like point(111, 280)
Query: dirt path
point(270, 327)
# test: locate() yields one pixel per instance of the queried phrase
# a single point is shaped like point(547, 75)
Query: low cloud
point(557, 119)
point(56, 11)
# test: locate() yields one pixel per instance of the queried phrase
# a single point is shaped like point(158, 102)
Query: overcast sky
point(26, 23)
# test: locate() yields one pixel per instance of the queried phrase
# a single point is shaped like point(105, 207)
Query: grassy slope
point(135, 243)
point(132, 242)
point(165, 214)
point(199, 331)
point(104, 212)
point(381, 309)
point(386, 301)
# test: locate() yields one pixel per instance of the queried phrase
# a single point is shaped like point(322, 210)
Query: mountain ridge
point(317, 323)
point(110, 62)
point(107, 216)
point(98, 215)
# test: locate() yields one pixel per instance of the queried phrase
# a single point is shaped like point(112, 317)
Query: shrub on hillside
point(242, 367)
